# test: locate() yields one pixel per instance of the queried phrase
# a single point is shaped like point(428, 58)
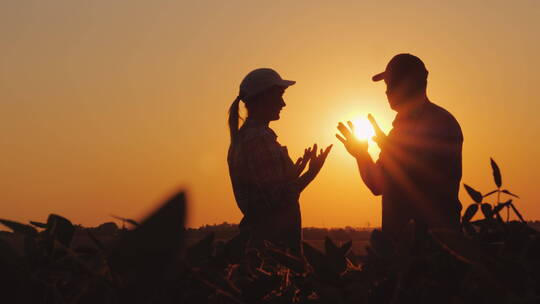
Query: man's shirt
point(421, 166)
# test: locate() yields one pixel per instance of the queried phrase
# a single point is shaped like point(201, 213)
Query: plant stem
point(507, 207)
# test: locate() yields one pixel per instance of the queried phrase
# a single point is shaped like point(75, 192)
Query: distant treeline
point(228, 230)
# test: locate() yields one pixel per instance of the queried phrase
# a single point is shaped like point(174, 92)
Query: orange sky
point(109, 106)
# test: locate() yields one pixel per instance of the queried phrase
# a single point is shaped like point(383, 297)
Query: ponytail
point(234, 118)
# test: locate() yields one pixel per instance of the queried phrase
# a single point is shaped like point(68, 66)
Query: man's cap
point(401, 66)
point(261, 79)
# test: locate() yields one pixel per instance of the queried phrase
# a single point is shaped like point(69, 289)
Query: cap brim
point(378, 77)
point(286, 83)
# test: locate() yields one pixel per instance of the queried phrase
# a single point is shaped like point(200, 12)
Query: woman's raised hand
point(302, 162)
point(354, 146)
point(317, 160)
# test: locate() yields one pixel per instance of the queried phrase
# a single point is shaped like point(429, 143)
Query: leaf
point(74, 256)
point(30, 247)
point(132, 222)
point(260, 287)
point(479, 222)
point(143, 256)
point(224, 291)
point(345, 247)
point(220, 281)
point(96, 241)
point(475, 195)
point(517, 212)
point(469, 213)
point(382, 244)
point(510, 193)
point(334, 256)
point(201, 251)
point(160, 234)
point(314, 257)
point(61, 229)
point(487, 210)
point(318, 261)
point(329, 246)
point(290, 261)
point(20, 228)
point(457, 245)
point(496, 173)
point(233, 252)
point(12, 276)
point(39, 225)
point(500, 206)
point(469, 229)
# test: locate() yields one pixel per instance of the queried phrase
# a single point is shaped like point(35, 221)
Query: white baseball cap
point(261, 79)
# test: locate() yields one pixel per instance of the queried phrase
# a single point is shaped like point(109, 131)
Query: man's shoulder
point(443, 118)
point(440, 112)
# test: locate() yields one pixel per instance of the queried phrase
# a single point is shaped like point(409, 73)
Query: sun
point(363, 129)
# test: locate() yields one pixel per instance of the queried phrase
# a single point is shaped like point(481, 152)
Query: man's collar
point(414, 111)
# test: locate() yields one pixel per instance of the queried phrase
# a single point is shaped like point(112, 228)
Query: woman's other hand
point(302, 162)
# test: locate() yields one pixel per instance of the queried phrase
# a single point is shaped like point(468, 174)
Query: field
point(82, 239)
point(491, 260)
point(358, 246)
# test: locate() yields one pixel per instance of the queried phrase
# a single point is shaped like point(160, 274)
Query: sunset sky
point(108, 107)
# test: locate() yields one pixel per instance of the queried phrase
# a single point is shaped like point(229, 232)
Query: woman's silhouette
point(266, 182)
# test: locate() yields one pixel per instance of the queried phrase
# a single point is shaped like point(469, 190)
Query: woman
point(266, 182)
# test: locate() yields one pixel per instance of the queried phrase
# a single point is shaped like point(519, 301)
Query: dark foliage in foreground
point(493, 260)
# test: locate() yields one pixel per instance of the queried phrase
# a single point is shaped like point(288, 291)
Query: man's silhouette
point(418, 172)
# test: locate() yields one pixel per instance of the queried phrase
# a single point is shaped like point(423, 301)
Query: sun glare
point(363, 129)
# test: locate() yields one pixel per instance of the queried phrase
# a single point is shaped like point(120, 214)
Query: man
point(418, 172)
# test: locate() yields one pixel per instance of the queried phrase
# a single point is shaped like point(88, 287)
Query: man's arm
point(369, 170)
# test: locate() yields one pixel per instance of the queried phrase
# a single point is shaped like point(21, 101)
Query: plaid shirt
point(263, 177)
point(261, 171)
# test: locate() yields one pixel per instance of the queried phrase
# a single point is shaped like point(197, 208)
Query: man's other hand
point(379, 137)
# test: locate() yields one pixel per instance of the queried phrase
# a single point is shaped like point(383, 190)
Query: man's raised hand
point(354, 146)
point(379, 137)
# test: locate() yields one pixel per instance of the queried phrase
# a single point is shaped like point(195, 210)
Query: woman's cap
point(259, 80)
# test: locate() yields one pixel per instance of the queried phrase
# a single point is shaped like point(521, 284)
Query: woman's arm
point(316, 161)
point(272, 173)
